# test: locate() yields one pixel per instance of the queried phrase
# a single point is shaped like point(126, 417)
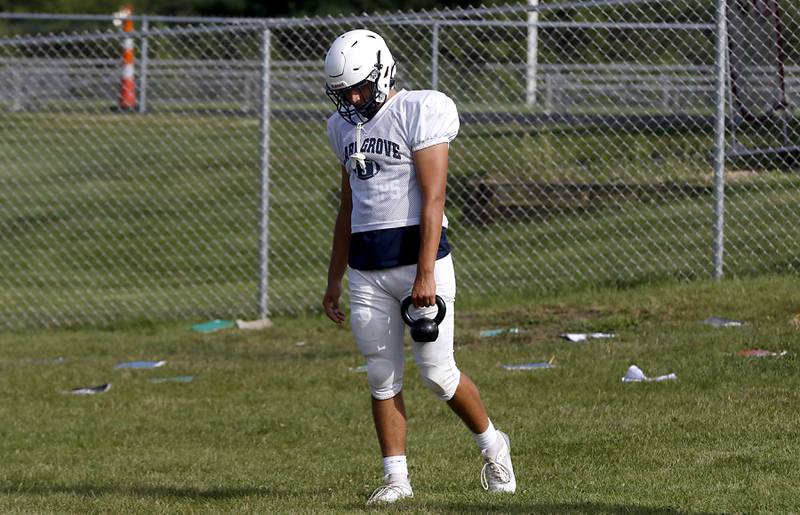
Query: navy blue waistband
point(387, 248)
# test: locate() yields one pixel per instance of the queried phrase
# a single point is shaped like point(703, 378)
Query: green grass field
point(272, 425)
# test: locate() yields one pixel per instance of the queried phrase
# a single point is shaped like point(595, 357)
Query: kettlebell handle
point(442, 310)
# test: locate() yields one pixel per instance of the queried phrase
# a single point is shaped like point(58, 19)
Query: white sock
point(395, 465)
point(486, 439)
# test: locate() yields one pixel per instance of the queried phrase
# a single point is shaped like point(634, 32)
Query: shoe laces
point(383, 491)
point(495, 472)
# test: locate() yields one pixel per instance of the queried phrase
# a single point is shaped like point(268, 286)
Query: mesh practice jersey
point(384, 182)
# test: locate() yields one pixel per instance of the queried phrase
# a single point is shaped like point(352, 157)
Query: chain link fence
point(602, 142)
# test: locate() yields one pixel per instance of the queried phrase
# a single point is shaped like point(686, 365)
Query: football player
point(390, 237)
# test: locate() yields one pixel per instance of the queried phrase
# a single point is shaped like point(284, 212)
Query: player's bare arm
point(339, 253)
point(431, 165)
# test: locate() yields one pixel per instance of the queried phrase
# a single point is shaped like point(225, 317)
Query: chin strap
point(358, 160)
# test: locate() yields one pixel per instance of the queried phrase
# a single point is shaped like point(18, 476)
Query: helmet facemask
point(363, 112)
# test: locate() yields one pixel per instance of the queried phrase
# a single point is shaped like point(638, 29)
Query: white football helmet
point(355, 58)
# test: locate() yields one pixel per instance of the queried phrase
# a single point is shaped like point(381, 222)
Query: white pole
point(531, 75)
point(435, 57)
point(263, 268)
point(18, 90)
point(144, 63)
point(719, 139)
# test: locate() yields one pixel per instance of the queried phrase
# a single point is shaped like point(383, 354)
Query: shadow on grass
point(134, 491)
point(578, 507)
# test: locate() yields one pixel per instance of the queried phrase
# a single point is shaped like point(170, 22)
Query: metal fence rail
point(30, 83)
point(602, 142)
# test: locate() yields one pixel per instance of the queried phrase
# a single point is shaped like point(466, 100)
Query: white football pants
point(378, 327)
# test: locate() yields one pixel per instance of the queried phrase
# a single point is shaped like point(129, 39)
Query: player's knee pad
point(441, 379)
point(385, 380)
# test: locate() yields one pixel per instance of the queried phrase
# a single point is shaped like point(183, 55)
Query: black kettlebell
point(424, 329)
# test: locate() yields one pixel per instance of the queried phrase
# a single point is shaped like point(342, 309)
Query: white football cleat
point(395, 487)
point(497, 474)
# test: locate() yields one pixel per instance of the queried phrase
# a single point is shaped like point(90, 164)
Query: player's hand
point(330, 302)
point(423, 294)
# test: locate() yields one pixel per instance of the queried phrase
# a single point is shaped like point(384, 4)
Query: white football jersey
point(383, 176)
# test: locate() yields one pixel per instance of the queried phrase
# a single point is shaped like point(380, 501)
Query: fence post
point(549, 84)
point(144, 62)
point(435, 57)
point(263, 241)
point(18, 89)
point(720, 68)
point(247, 90)
point(665, 91)
point(531, 75)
